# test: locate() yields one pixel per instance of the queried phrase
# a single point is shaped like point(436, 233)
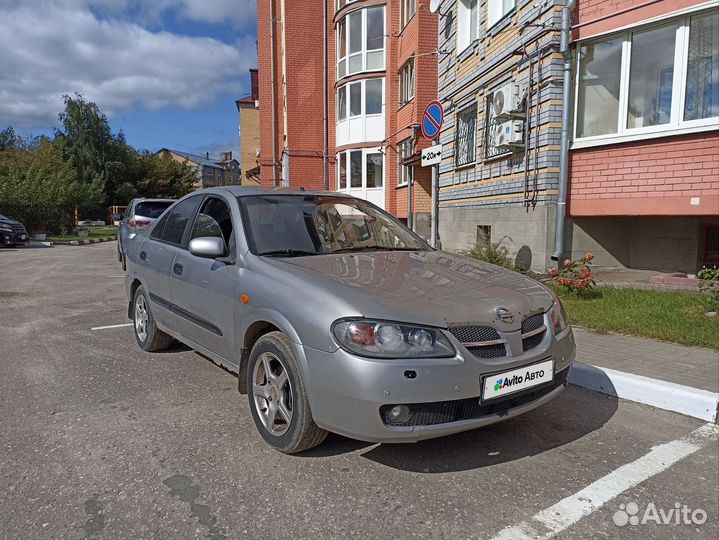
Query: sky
point(165, 72)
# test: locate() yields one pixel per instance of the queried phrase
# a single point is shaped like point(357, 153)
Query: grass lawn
point(94, 232)
point(664, 315)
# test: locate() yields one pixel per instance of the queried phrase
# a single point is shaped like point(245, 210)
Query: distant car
point(116, 219)
point(337, 317)
point(140, 213)
point(12, 233)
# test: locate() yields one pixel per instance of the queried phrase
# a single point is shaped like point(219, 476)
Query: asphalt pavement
point(101, 440)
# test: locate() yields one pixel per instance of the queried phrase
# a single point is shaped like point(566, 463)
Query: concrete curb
point(85, 242)
point(661, 394)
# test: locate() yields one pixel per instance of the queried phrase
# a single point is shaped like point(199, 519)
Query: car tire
point(278, 401)
point(148, 336)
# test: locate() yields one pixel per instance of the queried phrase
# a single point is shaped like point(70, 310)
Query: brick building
point(643, 145)
point(380, 71)
point(249, 109)
point(209, 172)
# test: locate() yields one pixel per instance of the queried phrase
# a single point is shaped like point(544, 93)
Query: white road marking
point(111, 326)
point(555, 519)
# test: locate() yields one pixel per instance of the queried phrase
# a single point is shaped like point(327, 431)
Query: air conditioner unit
point(508, 135)
point(507, 100)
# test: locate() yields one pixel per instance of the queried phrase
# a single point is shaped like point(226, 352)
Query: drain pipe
point(275, 176)
point(564, 148)
point(325, 106)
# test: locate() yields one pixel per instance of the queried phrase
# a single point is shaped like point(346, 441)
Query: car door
point(204, 291)
point(157, 253)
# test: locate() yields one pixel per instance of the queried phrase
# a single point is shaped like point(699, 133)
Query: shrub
point(710, 283)
point(576, 277)
point(491, 252)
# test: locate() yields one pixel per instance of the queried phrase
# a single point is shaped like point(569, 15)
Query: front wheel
point(148, 336)
point(278, 397)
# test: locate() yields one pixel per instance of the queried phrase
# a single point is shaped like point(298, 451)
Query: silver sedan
point(336, 317)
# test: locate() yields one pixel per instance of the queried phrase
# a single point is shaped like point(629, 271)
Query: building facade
point(249, 110)
point(643, 163)
point(346, 116)
point(209, 173)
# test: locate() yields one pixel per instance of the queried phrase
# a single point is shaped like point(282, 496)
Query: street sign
point(432, 120)
point(432, 155)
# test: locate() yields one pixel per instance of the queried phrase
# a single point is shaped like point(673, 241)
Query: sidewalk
point(665, 375)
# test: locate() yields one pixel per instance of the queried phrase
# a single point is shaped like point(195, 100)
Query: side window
point(159, 226)
point(178, 219)
point(213, 219)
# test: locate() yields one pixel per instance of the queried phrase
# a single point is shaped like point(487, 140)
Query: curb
point(86, 242)
point(685, 400)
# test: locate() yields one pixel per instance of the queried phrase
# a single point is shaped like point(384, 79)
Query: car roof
point(139, 200)
point(246, 191)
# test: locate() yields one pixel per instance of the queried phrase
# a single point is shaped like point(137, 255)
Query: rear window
point(152, 209)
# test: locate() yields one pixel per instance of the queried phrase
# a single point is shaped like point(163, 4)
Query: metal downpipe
point(566, 112)
point(275, 176)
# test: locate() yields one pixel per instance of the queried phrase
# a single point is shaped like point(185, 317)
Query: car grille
point(18, 228)
point(442, 412)
point(481, 341)
point(533, 331)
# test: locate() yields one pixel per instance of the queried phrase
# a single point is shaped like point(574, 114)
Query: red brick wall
point(654, 177)
point(619, 13)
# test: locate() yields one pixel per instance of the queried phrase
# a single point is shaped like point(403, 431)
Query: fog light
point(398, 414)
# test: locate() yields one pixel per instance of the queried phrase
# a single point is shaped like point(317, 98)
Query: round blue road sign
point(432, 120)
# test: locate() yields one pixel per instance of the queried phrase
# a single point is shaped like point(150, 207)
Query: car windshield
point(302, 225)
point(152, 209)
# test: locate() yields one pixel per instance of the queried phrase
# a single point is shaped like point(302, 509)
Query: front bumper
point(13, 238)
point(346, 392)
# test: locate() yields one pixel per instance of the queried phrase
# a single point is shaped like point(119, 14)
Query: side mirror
point(208, 247)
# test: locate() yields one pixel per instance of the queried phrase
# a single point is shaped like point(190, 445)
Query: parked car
point(12, 233)
point(336, 317)
point(116, 219)
point(140, 213)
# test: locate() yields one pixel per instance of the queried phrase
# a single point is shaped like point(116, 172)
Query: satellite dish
point(434, 5)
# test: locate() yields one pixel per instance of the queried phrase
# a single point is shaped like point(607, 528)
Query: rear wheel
point(148, 336)
point(278, 397)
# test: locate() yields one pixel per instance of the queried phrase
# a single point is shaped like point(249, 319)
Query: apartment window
point(662, 78)
point(406, 11)
point(404, 150)
point(360, 169)
point(360, 41)
point(365, 98)
point(466, 140)
point(341, 171)
point(355, 158)
point(467, 23)
point(497, 9)
point(375, 170)
point(406, 82)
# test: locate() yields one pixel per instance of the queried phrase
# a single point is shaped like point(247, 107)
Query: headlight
point(379, 339)
point(5, 228)
point(558, 317)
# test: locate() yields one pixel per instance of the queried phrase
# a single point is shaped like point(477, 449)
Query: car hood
point(433, 288)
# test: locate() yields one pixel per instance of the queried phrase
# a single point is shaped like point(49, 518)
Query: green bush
point(710, 283)
point(493, 253)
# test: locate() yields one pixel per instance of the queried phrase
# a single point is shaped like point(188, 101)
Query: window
point(406, 11)
point(375, 173)
point(466, 135)
point(406, 82)
point(368, 93)
point(360, 41)
point(355, 158)
point(497, 9)
point(657, 79)
point(341, 171)
point(177, 221)
point(404, 150)
point(467, 23)
point(213, 220)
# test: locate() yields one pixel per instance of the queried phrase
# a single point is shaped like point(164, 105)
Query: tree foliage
point(85, 166)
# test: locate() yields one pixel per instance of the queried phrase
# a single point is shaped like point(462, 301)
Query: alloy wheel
point(272, 394)
point(141, 317)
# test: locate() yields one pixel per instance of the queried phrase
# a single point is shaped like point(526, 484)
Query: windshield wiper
point(374, 248)
point(287, 253)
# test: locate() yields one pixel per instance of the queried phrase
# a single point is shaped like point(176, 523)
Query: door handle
point(177, 269)
point(143, 255)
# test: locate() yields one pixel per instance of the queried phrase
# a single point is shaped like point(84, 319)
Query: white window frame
point(343, 62)
point(363, 100)
point(405, 172)
point(464, 24)
point(339, 4)
point(677, 125)
point(498, 10)
point(345, 154)
point(407, 10)
point(407, 82)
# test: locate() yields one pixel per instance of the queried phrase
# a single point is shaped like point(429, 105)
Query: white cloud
point(55, 47)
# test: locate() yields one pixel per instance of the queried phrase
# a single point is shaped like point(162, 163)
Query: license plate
point(508, 382)
point(23, 236)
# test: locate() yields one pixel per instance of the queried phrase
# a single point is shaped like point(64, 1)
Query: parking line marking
point(568, 511)
point(111, 326)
